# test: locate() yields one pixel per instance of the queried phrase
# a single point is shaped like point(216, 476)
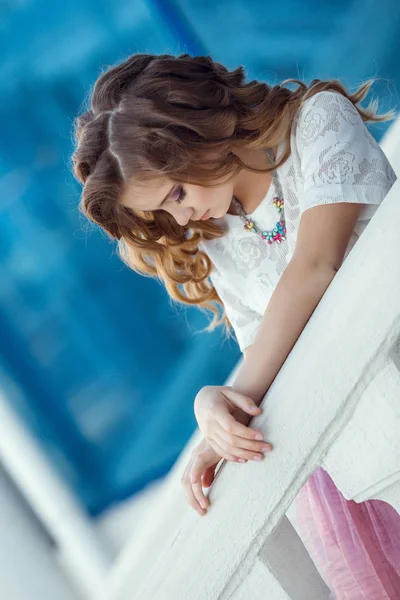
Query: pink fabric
point(355, 546)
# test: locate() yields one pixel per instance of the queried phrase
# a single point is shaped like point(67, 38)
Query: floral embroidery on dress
point(336, 165)
point(325, 112)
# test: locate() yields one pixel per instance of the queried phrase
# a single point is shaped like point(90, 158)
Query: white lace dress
point(334, 158)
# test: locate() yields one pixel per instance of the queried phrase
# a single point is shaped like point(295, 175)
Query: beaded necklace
point(278, 233)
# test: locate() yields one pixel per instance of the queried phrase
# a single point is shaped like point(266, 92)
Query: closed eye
point(181, 194)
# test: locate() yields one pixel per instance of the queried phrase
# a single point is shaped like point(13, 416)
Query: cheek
point(223, 195)
point(215, 196)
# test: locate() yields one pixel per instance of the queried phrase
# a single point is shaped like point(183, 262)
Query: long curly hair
point(178, 117)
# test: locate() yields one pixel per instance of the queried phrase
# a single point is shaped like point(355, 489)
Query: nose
point(183, 218)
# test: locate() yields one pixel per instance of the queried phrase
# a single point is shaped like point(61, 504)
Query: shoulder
point(328, 101)
point(327, 115)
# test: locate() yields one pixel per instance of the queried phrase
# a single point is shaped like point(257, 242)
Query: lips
point(205, 216)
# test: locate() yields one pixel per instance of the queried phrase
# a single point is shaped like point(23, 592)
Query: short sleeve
point(245, 322)
point(340, 159)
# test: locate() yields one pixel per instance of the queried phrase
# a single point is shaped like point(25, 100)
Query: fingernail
point(259, 436)
point(257, 458)
point(241, 460)
point(266, 449)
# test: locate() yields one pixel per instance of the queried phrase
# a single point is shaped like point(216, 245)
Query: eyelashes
point(181, 195)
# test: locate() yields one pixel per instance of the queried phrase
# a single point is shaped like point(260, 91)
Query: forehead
point(145, 194)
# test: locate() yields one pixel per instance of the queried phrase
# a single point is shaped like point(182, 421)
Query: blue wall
point(93, 356)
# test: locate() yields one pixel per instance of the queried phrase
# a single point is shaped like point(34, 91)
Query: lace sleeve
point(340, 159)
point(245, 322)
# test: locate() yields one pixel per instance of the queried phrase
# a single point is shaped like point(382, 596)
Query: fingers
point(237, 447)
point(238, 435)
point(241, 401)
point(191, 498)
point(195, 479)
point(201, 464)
point(215, 444)
point(230, 424)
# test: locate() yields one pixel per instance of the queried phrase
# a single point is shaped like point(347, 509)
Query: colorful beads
point(269, 237)
point(250, 226)
point(280, 227)
point(278, 203)
point(277, 234)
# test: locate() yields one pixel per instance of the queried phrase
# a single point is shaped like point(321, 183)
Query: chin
point(220, 213)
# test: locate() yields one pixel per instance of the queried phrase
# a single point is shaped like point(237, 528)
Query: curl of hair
point(178, 117)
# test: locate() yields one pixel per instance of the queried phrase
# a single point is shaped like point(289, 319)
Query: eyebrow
point(167, 196)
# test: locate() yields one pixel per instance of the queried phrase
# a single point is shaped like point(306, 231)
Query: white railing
point(343, 387)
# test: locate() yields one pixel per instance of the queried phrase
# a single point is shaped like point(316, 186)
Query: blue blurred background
point(95, 359)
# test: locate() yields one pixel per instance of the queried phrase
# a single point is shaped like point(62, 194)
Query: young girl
point(248, 196)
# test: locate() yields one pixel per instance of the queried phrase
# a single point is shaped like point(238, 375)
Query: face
point(185, 202)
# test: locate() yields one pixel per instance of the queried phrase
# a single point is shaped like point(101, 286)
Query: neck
point(250, 188)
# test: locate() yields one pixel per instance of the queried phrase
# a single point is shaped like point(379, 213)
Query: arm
point(323, 236)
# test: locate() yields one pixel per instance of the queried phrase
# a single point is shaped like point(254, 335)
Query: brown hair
point(178, 116)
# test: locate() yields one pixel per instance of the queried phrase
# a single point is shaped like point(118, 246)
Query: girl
point(250, 197)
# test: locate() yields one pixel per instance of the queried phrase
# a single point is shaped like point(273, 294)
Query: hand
point(200, 473)
point(215, 408)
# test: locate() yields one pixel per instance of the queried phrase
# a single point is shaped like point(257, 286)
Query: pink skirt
point(356, 547)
